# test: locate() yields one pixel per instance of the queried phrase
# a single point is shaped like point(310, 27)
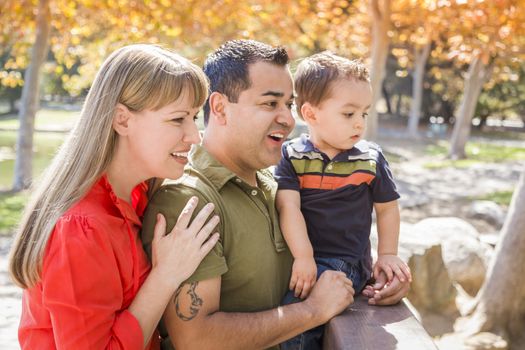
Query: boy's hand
point(392, 265)
point(304, 273)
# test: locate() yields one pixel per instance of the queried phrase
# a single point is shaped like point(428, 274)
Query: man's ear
point(308, 113)
point(121, 119)
point(218, 107)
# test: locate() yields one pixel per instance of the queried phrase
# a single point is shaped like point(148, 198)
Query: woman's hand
point(176, 255)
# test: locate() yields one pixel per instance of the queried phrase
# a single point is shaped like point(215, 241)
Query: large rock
point(491, 239)
point(465, 261)
point(465, 256)
point(431, 289)
point(479, 341)
point(441, 228)
point(487, 211)
point(441, 252)
point(486, 341)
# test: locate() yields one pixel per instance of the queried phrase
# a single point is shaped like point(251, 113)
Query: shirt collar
point(302, 144)
point(210, 167)
point(127, 210)
point(219, 175)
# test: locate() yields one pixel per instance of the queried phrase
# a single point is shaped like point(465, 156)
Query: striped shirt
point(337, 195)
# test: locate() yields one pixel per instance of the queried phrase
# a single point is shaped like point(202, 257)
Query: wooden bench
point(364, 326)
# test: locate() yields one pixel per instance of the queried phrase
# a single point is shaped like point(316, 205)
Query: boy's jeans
point(313, 338)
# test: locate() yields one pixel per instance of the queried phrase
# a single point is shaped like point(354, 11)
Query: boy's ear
point(121, 119)
point(308, 113)
point(217, 103)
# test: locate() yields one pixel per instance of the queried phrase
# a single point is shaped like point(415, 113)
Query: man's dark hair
point(227, 67)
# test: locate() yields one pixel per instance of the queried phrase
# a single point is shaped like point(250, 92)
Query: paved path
point(10, 305)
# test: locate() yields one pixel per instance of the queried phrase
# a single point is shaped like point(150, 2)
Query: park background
point(449, 111)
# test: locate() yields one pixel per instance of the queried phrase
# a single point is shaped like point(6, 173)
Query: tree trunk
point(421, 57)
point(477, 75)
point(12, 105)
point(380, 25)
point(387, 97)
point(501, 300)
point(29, 101)
point(398, 104)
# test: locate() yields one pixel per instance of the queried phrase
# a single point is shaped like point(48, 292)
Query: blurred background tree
point(424, 62)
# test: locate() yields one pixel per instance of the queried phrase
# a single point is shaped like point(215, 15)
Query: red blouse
point(93, 267)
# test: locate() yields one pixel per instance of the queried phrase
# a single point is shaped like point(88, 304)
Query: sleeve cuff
point(207, 273)
point(288, 186)
point(127, 330)
point(386, 199)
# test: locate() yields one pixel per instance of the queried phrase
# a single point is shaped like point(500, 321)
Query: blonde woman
point(87, 282)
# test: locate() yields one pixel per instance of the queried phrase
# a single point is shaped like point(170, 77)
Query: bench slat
point(364, 326)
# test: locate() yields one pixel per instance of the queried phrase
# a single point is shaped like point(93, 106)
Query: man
point(232, 299)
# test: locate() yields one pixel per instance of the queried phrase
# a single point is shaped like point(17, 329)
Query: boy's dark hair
point(227, 67)
point(315, 74)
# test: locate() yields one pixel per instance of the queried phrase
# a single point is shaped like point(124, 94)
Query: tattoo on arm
point(196, 302)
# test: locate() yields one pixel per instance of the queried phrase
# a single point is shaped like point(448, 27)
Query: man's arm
point(194, 321)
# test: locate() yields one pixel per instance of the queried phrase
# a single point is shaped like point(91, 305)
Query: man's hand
point(304, 273)
point(332, 294)
point(383, 292)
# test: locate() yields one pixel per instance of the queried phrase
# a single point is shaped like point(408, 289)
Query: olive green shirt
point(251, 256)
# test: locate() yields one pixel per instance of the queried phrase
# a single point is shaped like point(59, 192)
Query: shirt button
point(238, 180)
point(254, 192)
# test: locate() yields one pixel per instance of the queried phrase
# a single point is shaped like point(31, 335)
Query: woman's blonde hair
point(137, 76)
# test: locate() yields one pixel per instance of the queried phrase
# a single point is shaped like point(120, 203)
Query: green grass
point(476, 153)
point(45, 119)
point(45, 146)
point(11, 206)
point(500, 197)
point(499, 135)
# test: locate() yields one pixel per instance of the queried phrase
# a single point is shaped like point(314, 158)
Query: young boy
point(329, 182)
